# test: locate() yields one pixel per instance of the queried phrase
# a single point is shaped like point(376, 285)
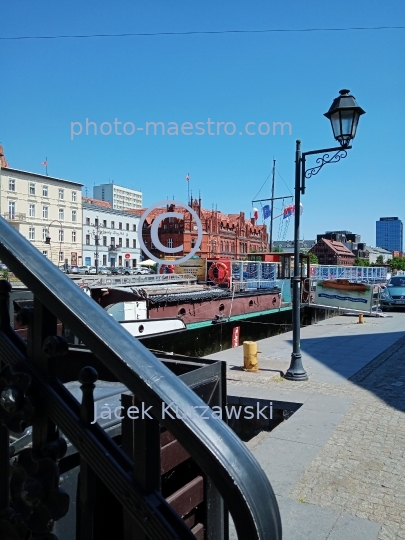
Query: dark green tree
point(313, 259)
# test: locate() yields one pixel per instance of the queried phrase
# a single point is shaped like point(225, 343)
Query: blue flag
point(266, 211)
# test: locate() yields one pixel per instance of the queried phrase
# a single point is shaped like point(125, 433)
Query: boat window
point(397, 282)
point(141, 328)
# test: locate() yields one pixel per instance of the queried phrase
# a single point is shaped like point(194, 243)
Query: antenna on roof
point(86, 191)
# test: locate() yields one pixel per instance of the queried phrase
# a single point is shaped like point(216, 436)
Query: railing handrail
point(235, 472)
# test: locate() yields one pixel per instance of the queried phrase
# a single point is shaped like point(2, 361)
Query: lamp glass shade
point(344, 115)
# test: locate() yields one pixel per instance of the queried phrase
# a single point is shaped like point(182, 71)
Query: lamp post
point(96, 235)
point(48, 236)
point(344, 115)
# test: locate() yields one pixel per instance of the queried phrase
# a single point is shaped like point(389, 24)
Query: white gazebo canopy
point(149, 262)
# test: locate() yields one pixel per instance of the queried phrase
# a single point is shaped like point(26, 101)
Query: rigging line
point(206, 32)
point(284, 181)
point(262, 186)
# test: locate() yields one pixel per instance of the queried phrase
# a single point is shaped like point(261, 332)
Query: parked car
point(93, 270)
point(393, 296)
point(123, 270)
point(73, 269)
point(140, 270)
point(104, 270)
point(83, 269)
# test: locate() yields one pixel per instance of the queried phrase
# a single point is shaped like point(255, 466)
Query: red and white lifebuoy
point(218, 273)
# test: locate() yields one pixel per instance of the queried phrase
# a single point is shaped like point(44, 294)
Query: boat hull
point(194, 311)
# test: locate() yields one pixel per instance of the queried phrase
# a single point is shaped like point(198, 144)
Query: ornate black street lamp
point(344, 115)
point(48, 236)
point(96, 235)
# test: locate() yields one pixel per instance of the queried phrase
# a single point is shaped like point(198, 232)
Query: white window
point(74, 215)
point(44, 234)
point(11, 209)
point(11, 184)
point(170, 241)
point(44, 191)
point(73, 237)
point(32, 188)
point(31, 233)
point(61, 256)
point(45, 253)
point(73, 196)
point(87, 239)
point(60, 235)
point(134, 227)
point(32, 210)
point(61, 214)
point(45, 212)
point(61, 194)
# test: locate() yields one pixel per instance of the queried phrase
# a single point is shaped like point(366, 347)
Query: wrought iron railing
point(33, 394)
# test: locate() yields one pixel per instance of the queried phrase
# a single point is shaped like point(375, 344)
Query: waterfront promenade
point(337, 465)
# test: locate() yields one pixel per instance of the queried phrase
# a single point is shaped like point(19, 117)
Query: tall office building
point(389, 234)
point(119, 197)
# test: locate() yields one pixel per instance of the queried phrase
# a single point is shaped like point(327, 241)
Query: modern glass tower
point(389, 234)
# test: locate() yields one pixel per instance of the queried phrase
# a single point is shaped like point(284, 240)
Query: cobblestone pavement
point(361, 468)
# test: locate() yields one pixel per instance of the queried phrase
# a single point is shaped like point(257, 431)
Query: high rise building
point(389, 234)
point(119, 197)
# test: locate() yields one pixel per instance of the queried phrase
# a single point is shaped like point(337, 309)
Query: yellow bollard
point(361, 318)
point(250, 362)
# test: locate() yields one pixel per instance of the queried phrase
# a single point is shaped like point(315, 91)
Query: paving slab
point(337, 465)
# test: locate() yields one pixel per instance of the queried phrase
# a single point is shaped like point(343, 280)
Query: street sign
point(127, 255)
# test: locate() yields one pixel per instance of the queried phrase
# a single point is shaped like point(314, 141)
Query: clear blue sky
point(239, 78)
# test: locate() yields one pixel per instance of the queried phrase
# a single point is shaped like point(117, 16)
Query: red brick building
point(332, 252)
point(224, 235)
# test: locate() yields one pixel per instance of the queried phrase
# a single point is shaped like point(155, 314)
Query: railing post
point(85, 528)
point(141, 441)
point(5, 288)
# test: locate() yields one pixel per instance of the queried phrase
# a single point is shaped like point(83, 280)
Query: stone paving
point(337, 465)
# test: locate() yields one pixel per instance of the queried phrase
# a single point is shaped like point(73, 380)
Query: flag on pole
point(288, 211)
point(188, 178)
point(45, 163)
point(255, 214)
point(266, 211)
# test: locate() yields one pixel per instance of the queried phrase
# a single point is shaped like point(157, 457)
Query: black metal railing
point(33, 394)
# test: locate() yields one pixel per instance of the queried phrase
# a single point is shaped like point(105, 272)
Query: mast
point(272, 206)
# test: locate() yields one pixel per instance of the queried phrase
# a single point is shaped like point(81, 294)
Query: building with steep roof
point(331, 252)
point(229, 236)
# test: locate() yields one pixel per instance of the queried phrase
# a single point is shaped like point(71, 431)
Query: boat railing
point(152, 279)
point(33, 394)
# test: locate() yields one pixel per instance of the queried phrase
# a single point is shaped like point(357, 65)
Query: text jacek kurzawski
point(247, 412)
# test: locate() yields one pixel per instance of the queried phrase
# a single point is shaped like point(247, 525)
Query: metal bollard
point(250, 361)
point(361, 321)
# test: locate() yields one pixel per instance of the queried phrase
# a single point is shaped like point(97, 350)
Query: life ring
point(167, 269)
point(218, 273)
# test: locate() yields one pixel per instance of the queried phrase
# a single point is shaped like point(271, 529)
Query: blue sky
point(239, 78)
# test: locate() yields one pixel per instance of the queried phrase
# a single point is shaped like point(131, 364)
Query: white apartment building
point(117, 234)
point(42, 207)
point(119, 197)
